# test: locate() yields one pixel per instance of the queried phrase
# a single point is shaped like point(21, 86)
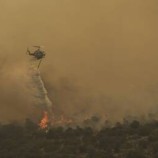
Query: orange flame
point(44, 122)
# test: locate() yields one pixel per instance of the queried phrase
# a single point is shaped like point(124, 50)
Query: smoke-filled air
point(101, 59)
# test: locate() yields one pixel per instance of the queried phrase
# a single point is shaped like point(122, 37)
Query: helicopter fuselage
point(38, 54)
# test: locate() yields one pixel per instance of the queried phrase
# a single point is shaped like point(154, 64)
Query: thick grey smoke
point(101, 56)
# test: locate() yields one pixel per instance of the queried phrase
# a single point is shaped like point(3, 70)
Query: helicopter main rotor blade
point(37, 47)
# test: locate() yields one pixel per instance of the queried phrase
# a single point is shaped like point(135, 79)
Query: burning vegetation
point(44, 121)
point(47, 121)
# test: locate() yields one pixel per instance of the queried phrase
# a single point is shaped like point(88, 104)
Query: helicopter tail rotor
point(27, 51)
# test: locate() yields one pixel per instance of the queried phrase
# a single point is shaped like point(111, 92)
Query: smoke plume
point(101, 57)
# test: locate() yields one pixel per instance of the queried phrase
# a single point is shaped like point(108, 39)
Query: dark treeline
point(123, 140)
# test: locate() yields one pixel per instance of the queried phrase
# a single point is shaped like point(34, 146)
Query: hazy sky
point(101, 55)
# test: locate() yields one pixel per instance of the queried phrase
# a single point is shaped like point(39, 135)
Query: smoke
point(101, 56)
point(15, 96)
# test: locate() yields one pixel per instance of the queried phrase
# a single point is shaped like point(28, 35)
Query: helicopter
point(38, 54)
